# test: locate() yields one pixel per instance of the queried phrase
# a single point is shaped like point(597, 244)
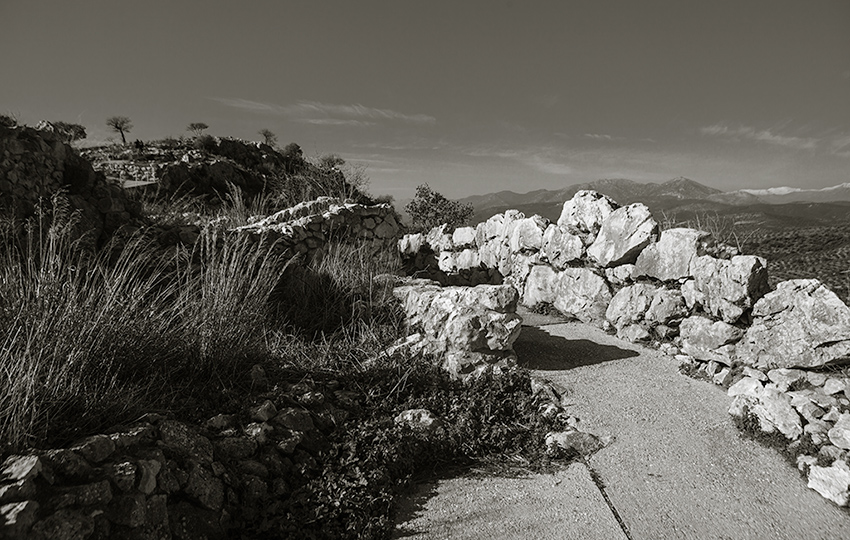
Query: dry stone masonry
point(468, 328)
point(163, 478)
point(679, 289)
point(37, 164)
point(306, 228)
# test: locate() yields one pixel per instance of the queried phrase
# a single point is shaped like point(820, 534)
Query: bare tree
point(269, 137)
point(121, 125)
point(197, 128)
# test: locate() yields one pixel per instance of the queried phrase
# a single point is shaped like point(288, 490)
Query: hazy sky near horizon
point(469, 96)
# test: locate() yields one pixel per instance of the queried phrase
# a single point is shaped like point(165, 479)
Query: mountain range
point(684, 199)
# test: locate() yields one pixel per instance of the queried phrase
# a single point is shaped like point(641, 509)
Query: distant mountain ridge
point(674, 196)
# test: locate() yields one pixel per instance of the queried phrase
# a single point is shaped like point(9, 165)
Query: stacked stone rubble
point(466, 328)
point(305, 228)
point(678, 288)
point(38, 164)
point(168, 479)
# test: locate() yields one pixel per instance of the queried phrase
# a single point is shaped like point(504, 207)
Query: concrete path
point(677, 467)
point(565, 505)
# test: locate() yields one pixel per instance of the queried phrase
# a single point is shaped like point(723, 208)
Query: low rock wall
point(467, 328)
point(307, 227)
point(679, 289)
point(167, 479)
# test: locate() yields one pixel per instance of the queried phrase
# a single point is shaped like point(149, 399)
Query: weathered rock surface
point(585, 212)
point(672, 256)
point(773, 410)
point(800, 324)
point(624, 233)
point(527, 234)
point(582, 294)
point(727, 288)
point(470, 327)
point(541, 286)
point(832, 482)
point(839, 435)
point(630, 304)
point(561, 247)
point(709, 340)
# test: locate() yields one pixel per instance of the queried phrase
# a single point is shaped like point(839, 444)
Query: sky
point(469, 96)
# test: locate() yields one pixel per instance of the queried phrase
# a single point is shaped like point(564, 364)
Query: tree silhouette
point(121, 125)
point(197, 128)
point(268, 137)
point(430, 209)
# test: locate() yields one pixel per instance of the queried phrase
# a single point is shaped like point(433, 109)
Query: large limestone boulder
point(630, 304)
point(467, 327)
point(583, 294)
point(527, 234)
point(800, 324)
point(624, 233)
point(708, 340)
point(439, 239)
point(671, 257)
point(832, 482)
point(586, 212)
point(489, 230)
point(727, 288)
point(541, 286)
point(561, 247)
point(463, 237)
point(411, 244)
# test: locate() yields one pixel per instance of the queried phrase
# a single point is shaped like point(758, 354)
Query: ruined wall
point(37, 164)
point(162, 478)
point(306, 228)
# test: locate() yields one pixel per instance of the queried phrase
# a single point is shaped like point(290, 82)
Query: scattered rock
point(576, 442)
point(839, 435)
point(831, 482)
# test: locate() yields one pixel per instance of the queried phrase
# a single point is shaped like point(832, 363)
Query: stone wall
point(37, 164)
point(305, 228)
point(162, 478)
point(680, 290)
point(467, 328)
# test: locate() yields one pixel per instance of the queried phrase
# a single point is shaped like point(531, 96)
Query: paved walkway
point(677, 467)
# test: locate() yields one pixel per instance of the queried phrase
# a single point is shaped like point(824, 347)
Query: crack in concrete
point(600, 484)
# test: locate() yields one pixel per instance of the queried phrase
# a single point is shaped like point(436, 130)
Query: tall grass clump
point(338, 310)
point(92, 340)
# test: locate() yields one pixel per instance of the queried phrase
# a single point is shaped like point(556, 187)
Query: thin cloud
point(315, 112)
point(764, 135)
point(539, 161)
point(334, 122)
point(598, 137)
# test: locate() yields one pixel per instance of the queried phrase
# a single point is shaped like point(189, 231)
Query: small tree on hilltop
point(268, 137)
point(430, 209)
point(121, 125)
point(197, 128)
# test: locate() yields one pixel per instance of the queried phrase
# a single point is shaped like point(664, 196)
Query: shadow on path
point(537, 349)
